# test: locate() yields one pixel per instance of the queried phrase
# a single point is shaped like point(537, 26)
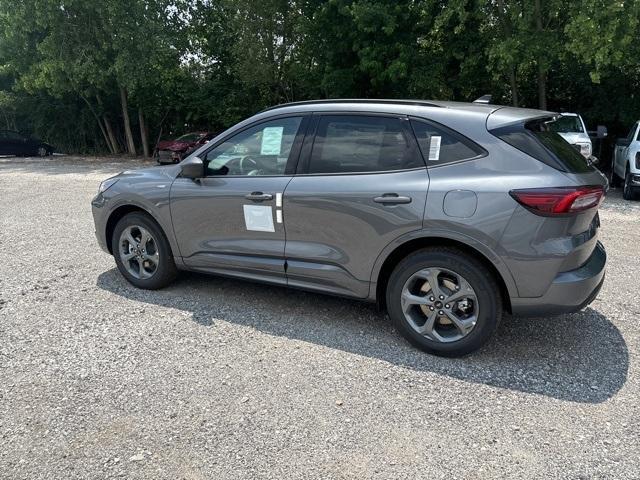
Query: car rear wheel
point(142, 252)
point(628, 191)
point(443, 301)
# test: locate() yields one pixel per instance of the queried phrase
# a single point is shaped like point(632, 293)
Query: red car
point(173, 151)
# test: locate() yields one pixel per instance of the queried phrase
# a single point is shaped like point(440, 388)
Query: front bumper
point(570, 291)
point(99, 220)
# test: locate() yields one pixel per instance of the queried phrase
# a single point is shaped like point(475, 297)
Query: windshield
point(189, 137)
point(566, 124)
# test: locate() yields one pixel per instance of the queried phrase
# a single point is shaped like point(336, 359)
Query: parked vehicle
point(15, 143)
point(445, 213)
point(625, 168)
point(571, 127)
point(173, 151)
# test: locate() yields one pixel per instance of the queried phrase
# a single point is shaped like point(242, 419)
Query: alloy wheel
point(139, 252)
point(440, 304)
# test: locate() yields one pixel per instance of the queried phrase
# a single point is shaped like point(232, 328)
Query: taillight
point(559, 200)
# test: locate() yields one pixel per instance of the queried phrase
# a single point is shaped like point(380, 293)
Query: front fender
point(155, 204)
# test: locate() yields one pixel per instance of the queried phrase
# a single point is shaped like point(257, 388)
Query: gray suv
point(446, 214)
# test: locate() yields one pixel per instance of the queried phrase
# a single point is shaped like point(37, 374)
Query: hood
point(157, 172)
point(575, 137)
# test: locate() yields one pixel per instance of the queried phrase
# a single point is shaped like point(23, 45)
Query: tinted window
point(567, 124)
point(538, 140)
point(442, 145)
point(354, 143)
point(260, 150)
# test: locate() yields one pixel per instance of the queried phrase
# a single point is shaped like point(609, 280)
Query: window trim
point(464, 139)
point(310, 138)
point(294, 154)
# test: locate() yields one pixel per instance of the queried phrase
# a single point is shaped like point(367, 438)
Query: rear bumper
point(570, 291)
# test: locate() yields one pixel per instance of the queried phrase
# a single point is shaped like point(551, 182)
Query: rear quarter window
point(441, 145)
point(537, 139)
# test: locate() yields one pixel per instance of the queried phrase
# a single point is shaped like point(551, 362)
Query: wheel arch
point(119, 212)
point(387, 261)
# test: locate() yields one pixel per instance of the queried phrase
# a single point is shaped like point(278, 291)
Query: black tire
point(614, 180)
point(628, 191)
point(481, 280)
point(166, 270)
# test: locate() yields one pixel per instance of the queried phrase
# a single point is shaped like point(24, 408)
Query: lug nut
point(446, 306)
point(431, 298)
point(431, 308)
point(440, 312)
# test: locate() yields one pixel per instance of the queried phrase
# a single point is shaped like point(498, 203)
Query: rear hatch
point(570, 220)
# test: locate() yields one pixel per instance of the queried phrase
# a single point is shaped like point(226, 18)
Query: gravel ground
point(215, 378)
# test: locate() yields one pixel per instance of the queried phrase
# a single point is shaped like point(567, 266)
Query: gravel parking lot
point(216, 378)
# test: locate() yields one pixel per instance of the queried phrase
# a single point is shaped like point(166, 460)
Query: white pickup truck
point(571, 127)
point(625, 167)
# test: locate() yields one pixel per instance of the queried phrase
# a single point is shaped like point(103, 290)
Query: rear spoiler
point(483, 99)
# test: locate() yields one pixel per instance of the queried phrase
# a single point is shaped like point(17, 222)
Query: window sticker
point(434, 148)
point(271, 141)
point(258, 218)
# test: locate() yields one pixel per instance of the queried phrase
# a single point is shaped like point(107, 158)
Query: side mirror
point(192, 168)
point(601, 131)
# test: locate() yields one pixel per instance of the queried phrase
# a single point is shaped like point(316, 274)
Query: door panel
point(363, 183)
point(227, 222)
point(209, 225)
point(336, 229)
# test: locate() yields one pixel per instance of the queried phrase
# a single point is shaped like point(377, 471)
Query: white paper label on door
point(258, 218)
point(271, 141)
point(434, 148)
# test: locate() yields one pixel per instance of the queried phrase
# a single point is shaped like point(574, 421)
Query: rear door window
point(360, 143)
point(537, 139)
point(440, 145)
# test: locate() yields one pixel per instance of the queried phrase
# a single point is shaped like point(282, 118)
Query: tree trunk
point(112, 137)
point(131, 146)
point(514, 86)
point(542, 87)
point(506, 28)
point(542, 71)
point(97, 117)
point(144, 137)
point(111, 140)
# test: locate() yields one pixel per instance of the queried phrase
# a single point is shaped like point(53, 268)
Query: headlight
point(585, 149)
point(108, 183)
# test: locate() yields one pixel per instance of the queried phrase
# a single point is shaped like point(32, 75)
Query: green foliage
point(205, 64)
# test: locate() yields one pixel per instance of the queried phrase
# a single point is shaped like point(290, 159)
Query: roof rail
point(422, 103)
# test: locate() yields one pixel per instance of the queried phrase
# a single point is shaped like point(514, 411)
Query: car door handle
point(392, 199)
point(258, 196)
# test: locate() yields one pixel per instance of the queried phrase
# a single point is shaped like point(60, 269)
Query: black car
point(14, 143)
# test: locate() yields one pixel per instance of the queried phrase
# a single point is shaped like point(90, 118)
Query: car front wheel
point(628, 191)
point(614, 180)
point(443, 301)
point(142, 252)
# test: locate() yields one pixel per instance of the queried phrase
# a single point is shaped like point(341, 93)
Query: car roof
point(494, 115)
